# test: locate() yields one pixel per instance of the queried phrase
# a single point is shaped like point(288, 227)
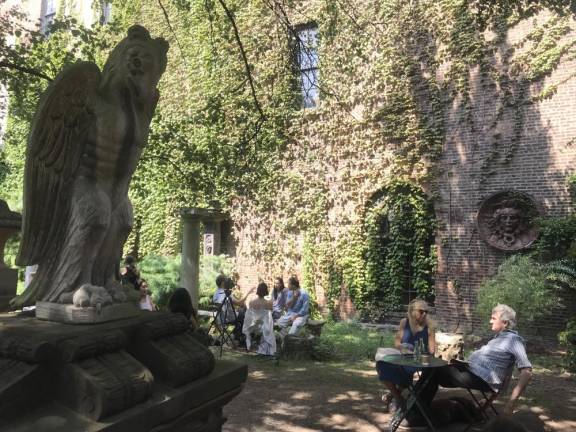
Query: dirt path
point(301, 396)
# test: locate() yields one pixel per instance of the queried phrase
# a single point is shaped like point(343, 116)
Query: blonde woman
point(414, 328)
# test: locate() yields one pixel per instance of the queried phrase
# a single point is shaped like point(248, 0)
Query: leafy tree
point(521, 283)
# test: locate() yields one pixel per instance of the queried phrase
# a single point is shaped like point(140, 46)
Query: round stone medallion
point(506, 220)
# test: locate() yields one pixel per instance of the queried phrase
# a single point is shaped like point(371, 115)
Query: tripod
point(221, 320)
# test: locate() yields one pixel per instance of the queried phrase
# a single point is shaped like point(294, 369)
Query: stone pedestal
point(146, 373)
point(70, 314)
point(10, 223)
point(8, 283)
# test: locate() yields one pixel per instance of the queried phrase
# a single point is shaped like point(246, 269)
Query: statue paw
point(91, 295)
point(116, 291)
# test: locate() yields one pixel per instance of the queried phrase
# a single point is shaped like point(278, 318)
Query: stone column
point(190, 267)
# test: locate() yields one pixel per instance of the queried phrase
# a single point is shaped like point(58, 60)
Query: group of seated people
point(287, 308)
point(485, 369)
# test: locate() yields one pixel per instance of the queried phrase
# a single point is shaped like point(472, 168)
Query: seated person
point(298, 308)
point(181, 302)
point(487, 367)
point(414, 328)
point(258, 320)
point(146, 302)
point(279, 294)
point(260, 302)
point(129, 274)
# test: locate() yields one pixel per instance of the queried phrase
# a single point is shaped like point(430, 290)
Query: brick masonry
point(469, 172)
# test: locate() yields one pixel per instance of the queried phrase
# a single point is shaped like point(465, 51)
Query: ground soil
point(305, 396)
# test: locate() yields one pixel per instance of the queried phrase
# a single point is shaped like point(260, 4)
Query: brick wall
point(543, 159)
point(469, 173)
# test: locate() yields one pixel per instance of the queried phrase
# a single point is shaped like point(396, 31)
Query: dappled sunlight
point(301, 396)
point(307, 396)
point(350, 396)
point(562, 426)
point(339, 422)
point(258, 375)
point(363, 373)
point(537, 410)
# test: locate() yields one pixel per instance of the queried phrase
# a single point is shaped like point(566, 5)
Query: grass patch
point(350, 342)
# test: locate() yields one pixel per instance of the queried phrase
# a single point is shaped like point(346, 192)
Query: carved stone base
point(145, 374)
point(8, 283)
point(70, 314)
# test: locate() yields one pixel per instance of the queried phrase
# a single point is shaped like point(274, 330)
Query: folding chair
point(490, 397)
point(224, 316)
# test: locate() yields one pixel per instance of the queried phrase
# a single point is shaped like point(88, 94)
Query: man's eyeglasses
point(422, 311)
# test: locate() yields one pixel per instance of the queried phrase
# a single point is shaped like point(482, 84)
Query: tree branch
point(30, 71)
point(167, 18)
point(244, 58)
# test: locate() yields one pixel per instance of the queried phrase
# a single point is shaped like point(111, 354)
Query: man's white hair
point(505, 313)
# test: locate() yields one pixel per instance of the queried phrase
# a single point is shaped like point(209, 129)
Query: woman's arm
point(399, 333)
point(431, 340)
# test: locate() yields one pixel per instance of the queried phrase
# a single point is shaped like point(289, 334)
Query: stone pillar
point(190, 267)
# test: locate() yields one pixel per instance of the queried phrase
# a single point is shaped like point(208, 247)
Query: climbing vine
point(335, 192)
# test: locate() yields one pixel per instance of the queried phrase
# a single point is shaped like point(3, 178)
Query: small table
point(407, 361)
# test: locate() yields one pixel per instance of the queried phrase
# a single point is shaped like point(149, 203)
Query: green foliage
point(562, 273)
point(556, 238)
point(277, 173)
point(568, 339)
point(571, 181)
point(351, 343)
point(399, 255)
point(163, 276)
point(521, 284)
point(210, 267)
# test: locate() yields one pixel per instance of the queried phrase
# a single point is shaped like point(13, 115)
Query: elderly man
point(487, 367)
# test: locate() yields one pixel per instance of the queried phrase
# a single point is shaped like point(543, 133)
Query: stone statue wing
point(55, 145)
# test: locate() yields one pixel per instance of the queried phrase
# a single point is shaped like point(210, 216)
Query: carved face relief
point(143, 70)
point(136, 63)
point(505, 221)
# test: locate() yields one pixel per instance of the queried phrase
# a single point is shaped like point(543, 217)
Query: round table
point(405, 361)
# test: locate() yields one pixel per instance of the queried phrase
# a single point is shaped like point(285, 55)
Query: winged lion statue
point(85, 141)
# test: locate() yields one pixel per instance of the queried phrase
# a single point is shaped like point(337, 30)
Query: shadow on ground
point(300, 396)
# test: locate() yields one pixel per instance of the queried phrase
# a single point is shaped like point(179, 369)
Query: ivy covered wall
point(425, 106)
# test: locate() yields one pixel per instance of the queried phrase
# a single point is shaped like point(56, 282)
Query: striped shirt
point(493, 360)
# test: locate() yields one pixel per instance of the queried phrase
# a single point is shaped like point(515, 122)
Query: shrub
point(163, 275)
point(568, 339)
point(351, 342)
point(210, 267)
point(521, 284)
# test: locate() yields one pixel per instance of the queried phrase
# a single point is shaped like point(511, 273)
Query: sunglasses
point(423, 311)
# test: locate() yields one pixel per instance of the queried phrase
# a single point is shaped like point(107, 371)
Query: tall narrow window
point(307, 62)
point(48, 14)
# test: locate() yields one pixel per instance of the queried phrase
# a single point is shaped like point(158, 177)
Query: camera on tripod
point(228, 286)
